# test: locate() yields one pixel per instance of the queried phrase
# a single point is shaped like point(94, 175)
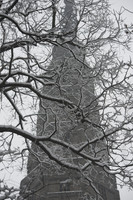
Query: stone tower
point(73, 119)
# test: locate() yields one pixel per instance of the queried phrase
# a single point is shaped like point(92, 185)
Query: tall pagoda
point(73, 124)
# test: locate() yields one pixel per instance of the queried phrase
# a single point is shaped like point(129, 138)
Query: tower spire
point(68, 25)
point(69, 21)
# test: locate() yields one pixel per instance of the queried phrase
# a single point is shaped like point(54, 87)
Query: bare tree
point(7, 192)
point(32, 73)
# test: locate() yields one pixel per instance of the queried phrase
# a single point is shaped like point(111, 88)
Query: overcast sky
point(125, 194)
point(127, 4)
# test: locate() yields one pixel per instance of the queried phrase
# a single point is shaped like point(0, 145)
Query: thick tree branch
point(9, 86)
point(7, 10)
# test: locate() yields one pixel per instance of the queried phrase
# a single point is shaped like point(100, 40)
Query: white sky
point(116, 4)
point(128, 4)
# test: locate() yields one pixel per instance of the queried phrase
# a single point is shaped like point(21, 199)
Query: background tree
point(29, 31)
